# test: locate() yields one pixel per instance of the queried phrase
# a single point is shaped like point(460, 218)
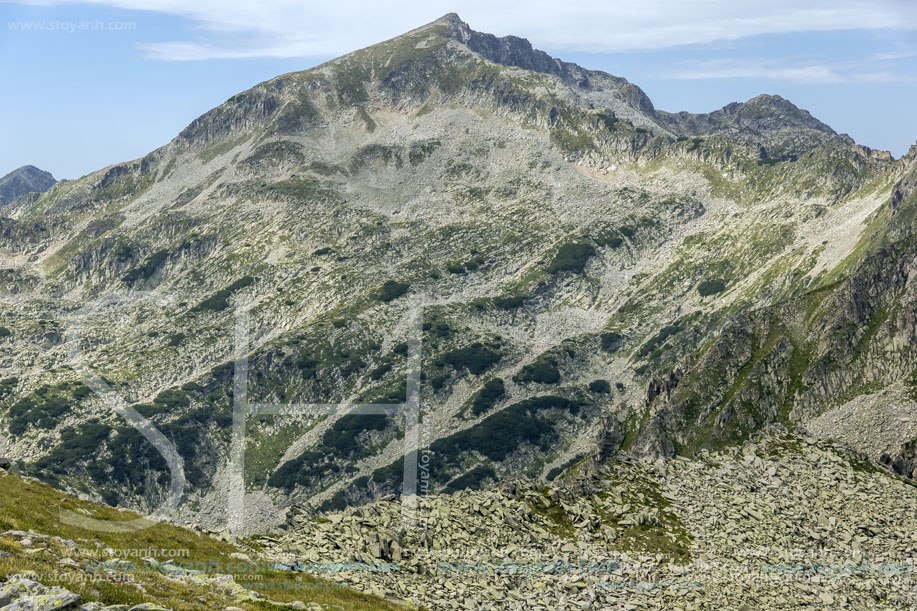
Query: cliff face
point(837, 361)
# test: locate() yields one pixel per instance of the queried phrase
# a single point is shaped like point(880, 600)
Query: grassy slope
point(33, 506)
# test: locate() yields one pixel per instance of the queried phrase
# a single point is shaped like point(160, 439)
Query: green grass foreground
point(29, 505)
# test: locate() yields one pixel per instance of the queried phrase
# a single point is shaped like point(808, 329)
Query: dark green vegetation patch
point(77, 446)
point(468, 266)
point(169, 400)
point(148, 269)
point(7, 386)
point(609, 239)
point(476, 358)
point(542, 371)
point(375, 155)
point(571, 257)
point(392, 290)
point(421, 150)
point(711, 287)
point(487, 397)
point(496, 437)
point(341, 441)
point(220, 300)
point(610, 122)
point(657, 340)
point(508, 303)
point(611, 341)
point(302, 190)
point(342, 436)
point(379, 372)
point(119, 457)
point(46, 406)
point(473, 480)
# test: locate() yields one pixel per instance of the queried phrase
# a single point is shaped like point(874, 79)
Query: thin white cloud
point(791, 70)
point(297, 28)
point(753, 70)
point(895, 55)
point(881, 76)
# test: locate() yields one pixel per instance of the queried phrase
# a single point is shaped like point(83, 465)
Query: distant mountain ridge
point(24, 180)
point(782, 129)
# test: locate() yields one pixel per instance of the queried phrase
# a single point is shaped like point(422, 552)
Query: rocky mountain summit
point(585, 271)
point(23, 181)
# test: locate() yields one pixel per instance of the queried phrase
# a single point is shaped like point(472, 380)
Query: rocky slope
point(780, 523)
point(837, 360)
point(23, 181)
point(565, 240)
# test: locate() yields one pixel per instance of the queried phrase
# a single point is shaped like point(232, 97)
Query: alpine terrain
point(678, 348)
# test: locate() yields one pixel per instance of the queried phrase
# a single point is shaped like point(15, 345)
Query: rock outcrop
point(801, 363)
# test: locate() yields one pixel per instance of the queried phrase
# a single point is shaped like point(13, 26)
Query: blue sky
point(88, 84)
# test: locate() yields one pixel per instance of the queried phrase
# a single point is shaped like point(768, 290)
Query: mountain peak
point(450, 19)
point(780, 104)
point(599, 88)
point(427, 63)
point(770, 98)
point(506, 50)
point(782, 128)
point(27, 179)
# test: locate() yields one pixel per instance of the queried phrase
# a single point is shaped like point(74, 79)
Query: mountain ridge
point(599, 89)
point(568, 248)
